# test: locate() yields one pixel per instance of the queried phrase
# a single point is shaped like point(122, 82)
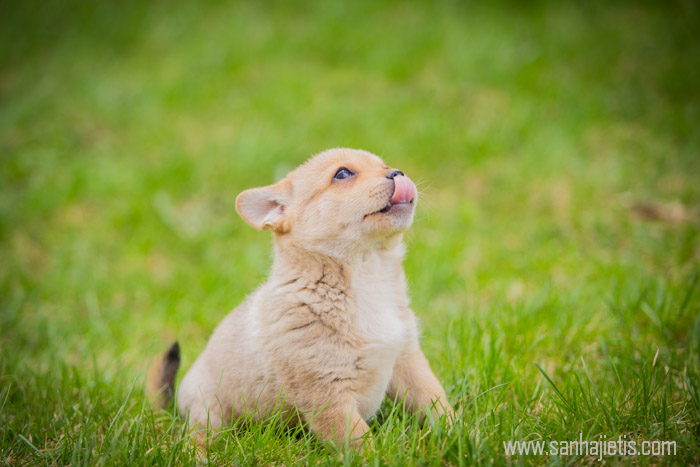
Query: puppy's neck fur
point(293, 262)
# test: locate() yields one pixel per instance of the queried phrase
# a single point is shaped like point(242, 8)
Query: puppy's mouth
point(389, 207)
point(403, 196)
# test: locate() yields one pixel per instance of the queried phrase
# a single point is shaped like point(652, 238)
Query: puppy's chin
point(392, 219)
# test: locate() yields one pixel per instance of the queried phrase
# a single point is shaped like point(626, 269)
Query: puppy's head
point(340, 201)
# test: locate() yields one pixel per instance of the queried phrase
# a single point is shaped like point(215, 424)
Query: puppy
point(331, 331)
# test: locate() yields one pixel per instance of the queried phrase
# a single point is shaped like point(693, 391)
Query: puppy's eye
point(342, 174)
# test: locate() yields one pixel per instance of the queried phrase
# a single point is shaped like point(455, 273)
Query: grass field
point(554, 262)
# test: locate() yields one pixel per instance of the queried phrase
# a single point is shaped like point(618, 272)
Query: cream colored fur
point(331, 331)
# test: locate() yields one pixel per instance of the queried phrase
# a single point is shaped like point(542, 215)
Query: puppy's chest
point(378, 317)
point(385, 329)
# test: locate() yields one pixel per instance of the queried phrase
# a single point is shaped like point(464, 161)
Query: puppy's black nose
point(394, 173)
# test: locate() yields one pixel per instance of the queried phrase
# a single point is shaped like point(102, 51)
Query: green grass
point(549, 305)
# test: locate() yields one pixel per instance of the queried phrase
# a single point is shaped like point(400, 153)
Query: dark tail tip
point(173, 354)
point(161, 378)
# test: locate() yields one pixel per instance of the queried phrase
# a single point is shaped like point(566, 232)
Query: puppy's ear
point(265, 207)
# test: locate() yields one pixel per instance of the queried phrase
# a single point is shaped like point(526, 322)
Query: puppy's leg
point(199, 403)
point(413, 379)
point(206, 421)
point(338, 422)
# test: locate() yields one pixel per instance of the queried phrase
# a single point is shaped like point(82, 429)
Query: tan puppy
point(331, 331)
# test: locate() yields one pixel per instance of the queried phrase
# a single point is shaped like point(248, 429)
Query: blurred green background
point(556, 146)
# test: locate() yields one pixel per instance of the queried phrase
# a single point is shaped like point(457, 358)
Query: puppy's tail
point(160, 385)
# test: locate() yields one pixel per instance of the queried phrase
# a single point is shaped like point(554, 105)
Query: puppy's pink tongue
point(404, 190)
